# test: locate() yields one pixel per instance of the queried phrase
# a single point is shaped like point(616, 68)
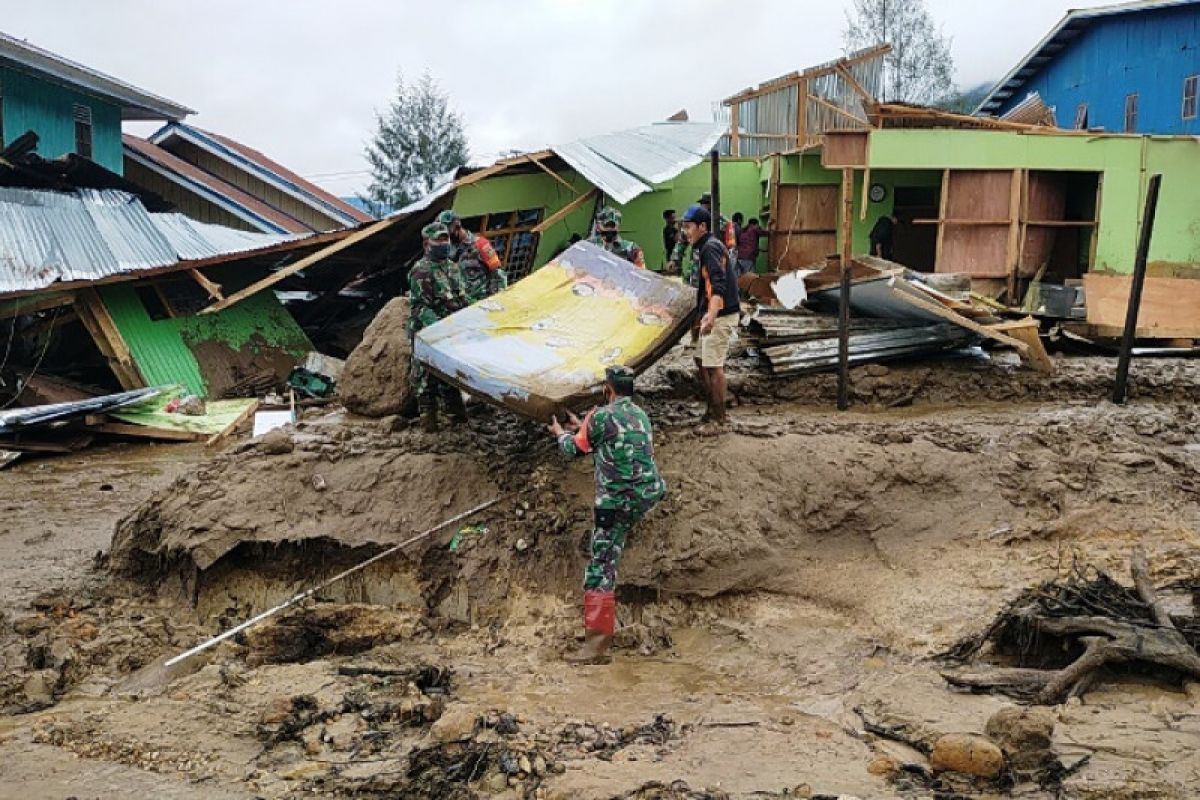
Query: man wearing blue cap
point(717, 305)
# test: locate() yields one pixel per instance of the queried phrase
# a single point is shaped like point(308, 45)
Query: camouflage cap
point(608, 217)
point(435, 230)
point(447, 217)
point(620, 378)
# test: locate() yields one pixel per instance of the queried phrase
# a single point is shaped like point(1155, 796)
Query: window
point(1081, 117)
point(83, 130)
point(1190, 85)
point(510, 232)
point(1131, 104)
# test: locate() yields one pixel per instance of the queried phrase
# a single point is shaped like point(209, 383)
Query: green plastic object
point(310, 384)
point(464, 532)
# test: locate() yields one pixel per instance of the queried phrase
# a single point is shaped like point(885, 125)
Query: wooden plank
point(937, 309)
point(307, 261)
point(1170, 307)
point(941, 232)
point(537, 162)
point(840, 111)
point(802, 113)
point(100, 326)
point(734, 132)
point(213, 289)
point(1027, 331)
point(574, 205)
point(145, 432)
point(845, 149)
point(20, 306)
point(1012, 256)
point(233, 426)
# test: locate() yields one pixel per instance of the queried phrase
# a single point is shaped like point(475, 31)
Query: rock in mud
point(277, 442)
point(374, 381)
point(455, 724)
point(1024, 734)
point(40, 685)
point(967, 753)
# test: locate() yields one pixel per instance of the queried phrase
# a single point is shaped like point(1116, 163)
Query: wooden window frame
point(1131, 112)
point(1081, 117)
point(1191, 82)
point(84, 131)
point(509, 232)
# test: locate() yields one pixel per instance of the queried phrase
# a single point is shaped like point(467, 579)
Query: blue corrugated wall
point(1149, 53)
point(47, 109)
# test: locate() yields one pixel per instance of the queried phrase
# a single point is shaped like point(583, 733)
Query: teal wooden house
point(72, 108)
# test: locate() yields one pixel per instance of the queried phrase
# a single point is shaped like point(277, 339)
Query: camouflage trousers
point(611, 528)
point(427, 387)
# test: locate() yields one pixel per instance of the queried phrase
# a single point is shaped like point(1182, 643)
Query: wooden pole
point(843, 389)
point(1135, 290)
point(715, 192)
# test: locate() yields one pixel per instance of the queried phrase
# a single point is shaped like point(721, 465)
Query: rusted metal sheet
point(543, 344)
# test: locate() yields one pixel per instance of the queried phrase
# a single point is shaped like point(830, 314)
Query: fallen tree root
point(1111, 625)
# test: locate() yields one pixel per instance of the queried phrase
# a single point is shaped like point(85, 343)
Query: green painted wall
point(48, 110)
point(160, 347)
point(1120, 159)
point(741, 190)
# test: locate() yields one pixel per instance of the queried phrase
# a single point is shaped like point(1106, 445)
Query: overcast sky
point(301, 79)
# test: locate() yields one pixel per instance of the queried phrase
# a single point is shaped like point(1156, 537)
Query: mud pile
point(374, 381)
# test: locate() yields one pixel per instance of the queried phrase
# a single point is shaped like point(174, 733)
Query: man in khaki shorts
point(718, 308)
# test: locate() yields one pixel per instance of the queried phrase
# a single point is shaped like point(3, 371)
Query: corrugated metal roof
point(48, 237)
point(1069, 27)
point(625, 164)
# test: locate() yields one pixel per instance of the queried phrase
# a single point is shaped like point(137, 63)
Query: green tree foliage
point(419, 139)
point(920, 68)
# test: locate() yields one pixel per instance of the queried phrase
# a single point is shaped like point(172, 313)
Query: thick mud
point(794, 586)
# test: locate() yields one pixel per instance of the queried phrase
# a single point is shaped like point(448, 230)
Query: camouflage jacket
point(435, 291)
point(621, 442)
point(481, 267)
point(621, 247)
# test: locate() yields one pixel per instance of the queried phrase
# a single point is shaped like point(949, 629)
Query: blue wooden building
point(72, 108)
point(1127, 68)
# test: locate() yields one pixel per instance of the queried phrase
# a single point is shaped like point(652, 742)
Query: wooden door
point(805, 228)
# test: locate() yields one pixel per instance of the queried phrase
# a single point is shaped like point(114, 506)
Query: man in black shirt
point(881, 236)
point(717, 306)
point(670, 233)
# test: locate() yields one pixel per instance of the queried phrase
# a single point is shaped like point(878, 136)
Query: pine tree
point(920, 68)
point(419, 139)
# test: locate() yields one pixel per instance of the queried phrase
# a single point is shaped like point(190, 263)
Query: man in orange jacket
point(481, 268)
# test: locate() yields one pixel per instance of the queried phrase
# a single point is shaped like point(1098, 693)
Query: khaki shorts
point(714, 348)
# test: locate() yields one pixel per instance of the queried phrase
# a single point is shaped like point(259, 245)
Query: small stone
point(803, 790)
point(522, 545)
point(877, 370)
point(318, 483)
point(497, 782)
point(539, 766)
point(455, 724)
point(39, 686)
point(1024, 734)
point(967, 753)
point(883, 765)
point(524, 765)
point(276, 442)
point(277, 710)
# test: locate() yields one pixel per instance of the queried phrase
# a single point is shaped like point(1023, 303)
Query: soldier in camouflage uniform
point(481, 269)
point(619, 437)
point(435, 291)
point(690, 266)
point(608, 235)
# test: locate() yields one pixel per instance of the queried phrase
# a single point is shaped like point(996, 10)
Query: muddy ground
point(802, 575)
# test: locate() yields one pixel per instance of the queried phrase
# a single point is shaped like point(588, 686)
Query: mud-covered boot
point(429, 419)
point(456, 408)
point(593, 651)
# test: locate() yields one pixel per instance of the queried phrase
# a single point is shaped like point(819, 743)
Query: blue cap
point(697, 213)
